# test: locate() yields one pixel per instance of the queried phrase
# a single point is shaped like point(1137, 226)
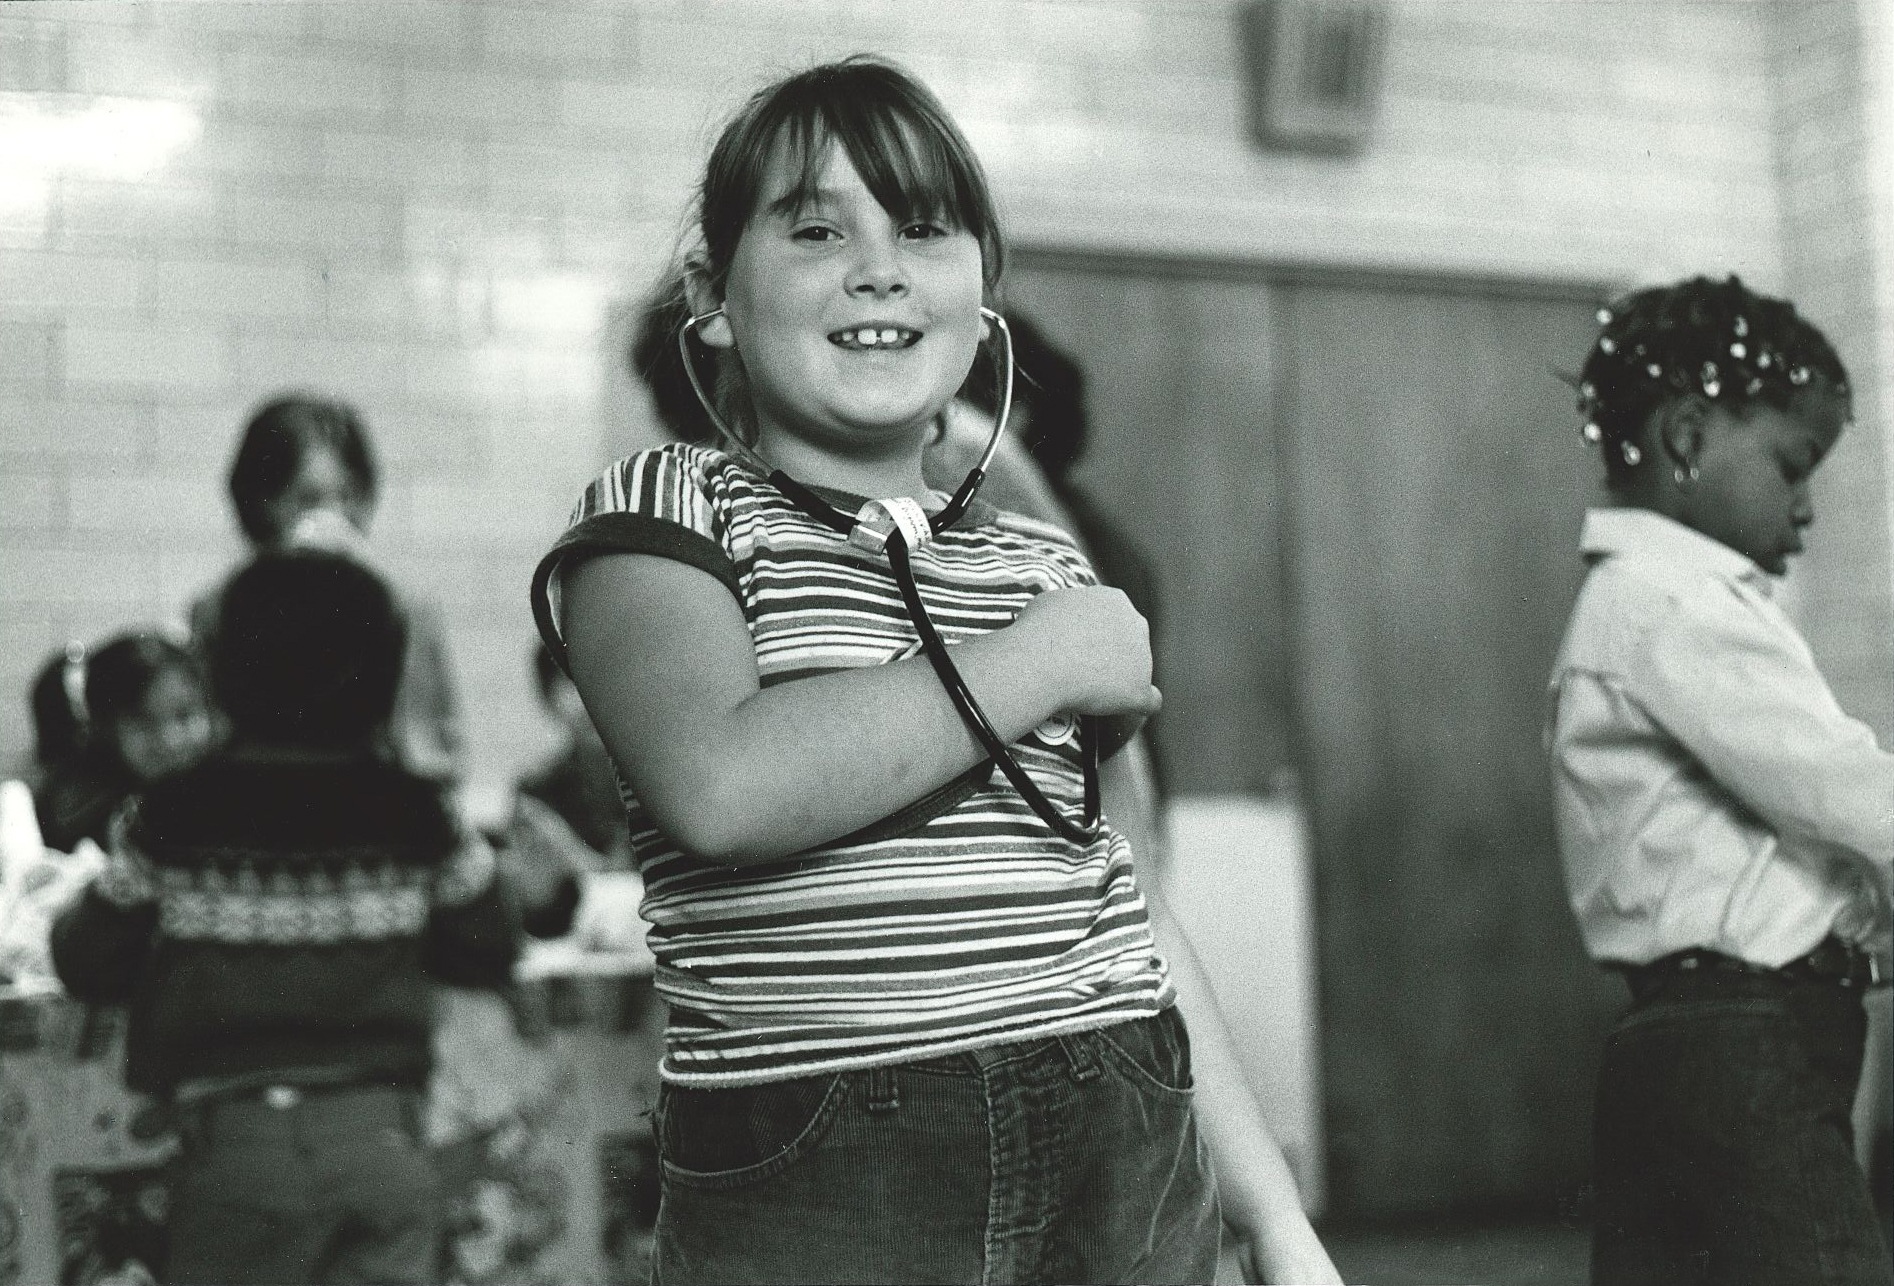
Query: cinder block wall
point(438, 209)
point(1835, 81)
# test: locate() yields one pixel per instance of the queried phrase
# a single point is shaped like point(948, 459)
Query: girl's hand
point(1095, 649)
point(331, 531)
point(1292, 1256)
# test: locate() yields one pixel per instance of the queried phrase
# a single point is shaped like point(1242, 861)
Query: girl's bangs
point(909, 164)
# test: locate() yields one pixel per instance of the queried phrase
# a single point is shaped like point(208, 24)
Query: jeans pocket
point(726, 1138)
point(1154, 1052)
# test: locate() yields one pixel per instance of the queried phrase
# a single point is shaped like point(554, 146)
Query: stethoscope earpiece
point(883, 526)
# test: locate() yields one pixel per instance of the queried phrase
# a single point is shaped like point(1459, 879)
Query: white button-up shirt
point(1709, 792)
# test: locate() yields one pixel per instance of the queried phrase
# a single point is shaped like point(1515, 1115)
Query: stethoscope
point(893, 528)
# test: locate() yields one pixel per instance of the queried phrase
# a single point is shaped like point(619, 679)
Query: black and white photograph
point(989, 641)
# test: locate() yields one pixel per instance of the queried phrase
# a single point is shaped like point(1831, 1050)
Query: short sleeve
point(656, 502)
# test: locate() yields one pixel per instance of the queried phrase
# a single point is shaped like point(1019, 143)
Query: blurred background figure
point(657, 364)
point(142, 715)
point(304, 474)
point(56, 703)
point(1049, 421)
point(577, 782)
point(273, 919)
point(1046, 436)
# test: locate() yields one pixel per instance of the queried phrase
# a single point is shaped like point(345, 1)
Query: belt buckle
point(282, 1097)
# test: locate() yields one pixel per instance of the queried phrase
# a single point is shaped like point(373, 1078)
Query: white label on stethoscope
point(902, 512)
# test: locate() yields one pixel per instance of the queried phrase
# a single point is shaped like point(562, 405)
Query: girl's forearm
point(1255, 1185)
point(798, 764)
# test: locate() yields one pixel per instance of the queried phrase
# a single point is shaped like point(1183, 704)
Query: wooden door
point(1362, 497)
point(1437, 482)
point(1183, 453)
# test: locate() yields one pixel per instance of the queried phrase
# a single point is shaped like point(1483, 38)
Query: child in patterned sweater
point(275, 917)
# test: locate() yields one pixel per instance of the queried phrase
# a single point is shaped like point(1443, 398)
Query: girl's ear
point(1681, 426)
point(714, 328)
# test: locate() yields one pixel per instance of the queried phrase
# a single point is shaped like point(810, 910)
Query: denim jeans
point(336, 1188)
point(1724, 1151)
point(1068, 1159)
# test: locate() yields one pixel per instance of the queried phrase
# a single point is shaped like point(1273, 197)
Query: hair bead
point(1592, 433)
point(1630, 452)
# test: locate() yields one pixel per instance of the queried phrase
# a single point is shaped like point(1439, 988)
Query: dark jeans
point(337, 1188)
point(1072, 1159)
point(1724, 1150)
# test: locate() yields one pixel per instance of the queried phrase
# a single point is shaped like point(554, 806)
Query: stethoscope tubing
point(896, 550)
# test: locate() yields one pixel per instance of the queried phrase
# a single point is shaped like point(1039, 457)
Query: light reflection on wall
point(44, 136)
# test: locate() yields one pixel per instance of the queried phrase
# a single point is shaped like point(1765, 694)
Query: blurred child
point(1052, 427)
point(56, 702)
point(578, 782)
point(304, 474)
point(273, 917)
point(1725, 827)
point(141, 715)
point(917, 1031)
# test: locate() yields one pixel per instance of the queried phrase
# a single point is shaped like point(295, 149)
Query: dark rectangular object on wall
point(1314, 71)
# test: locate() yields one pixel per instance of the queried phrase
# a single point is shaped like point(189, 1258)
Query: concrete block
point(559, 36)
point(338, 85)
point(147, 357)
point(407, 160)
point(445, 28)
point(31, 501)
point(283, 287)
point(36, 282)
point(181, 65)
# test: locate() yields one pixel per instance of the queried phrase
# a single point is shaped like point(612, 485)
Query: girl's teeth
point(873, 337)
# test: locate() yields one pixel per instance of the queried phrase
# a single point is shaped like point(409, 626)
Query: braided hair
point(1713, 339)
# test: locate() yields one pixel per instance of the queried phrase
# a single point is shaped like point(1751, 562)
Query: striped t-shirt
point(963, 921)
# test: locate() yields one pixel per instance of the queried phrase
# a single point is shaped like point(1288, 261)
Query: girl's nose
point(877, 270)
point(1802, 512)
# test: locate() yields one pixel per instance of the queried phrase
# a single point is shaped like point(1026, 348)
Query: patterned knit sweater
point(271, 918)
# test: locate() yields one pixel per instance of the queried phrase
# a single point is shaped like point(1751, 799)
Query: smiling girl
point(917, 1033)
point(1727, 831)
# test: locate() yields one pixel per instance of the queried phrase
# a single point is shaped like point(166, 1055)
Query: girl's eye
point(923, 231)
point(815, 232)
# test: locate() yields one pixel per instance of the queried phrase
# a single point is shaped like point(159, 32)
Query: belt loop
point(884, 1091)
point(1078, 1052)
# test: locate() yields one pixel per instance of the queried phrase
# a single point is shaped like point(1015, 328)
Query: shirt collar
point(1651, 538)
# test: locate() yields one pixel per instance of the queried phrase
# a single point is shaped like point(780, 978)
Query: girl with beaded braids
point(1725, 828)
